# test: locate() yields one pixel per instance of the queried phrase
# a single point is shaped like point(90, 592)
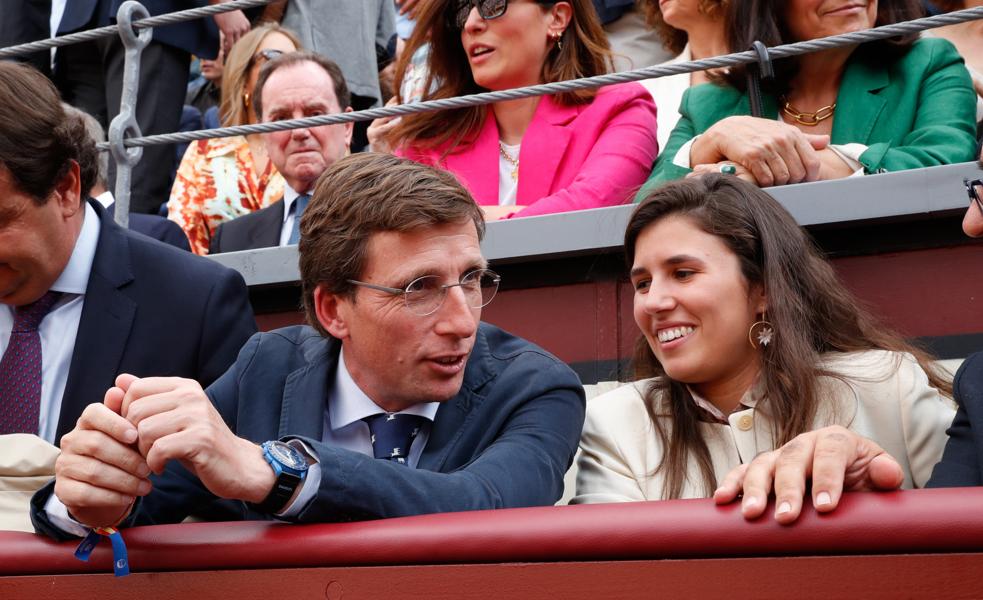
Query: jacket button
point(745, 422)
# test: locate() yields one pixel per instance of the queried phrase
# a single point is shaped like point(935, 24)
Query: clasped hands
point(765, 152)
point(106, 461)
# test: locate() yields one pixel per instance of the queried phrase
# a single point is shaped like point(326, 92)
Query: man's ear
point(332, 311)
point(349, 128)
point(67, 192)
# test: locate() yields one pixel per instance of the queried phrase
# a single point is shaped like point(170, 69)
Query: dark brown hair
point(291, 59)
point(749, 20)
point(674, 40)
point(949, 5)
point(585, 52)
point(37, 142)
point(810, 309)
point(368, 193)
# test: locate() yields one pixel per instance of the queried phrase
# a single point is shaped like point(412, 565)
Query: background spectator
point(968, 39)
point(89, 76)
point(205, 90)
point(748, 340)
point(883, 106)
point(537, 155)
point(692, 30)
point(633, 42)
point(220, 179)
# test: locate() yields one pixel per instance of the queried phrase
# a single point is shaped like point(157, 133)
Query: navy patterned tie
point(20, 368)
point(392, 435)
point(299, 205)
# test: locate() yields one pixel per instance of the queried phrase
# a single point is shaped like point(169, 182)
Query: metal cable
point(110, 30)
point(728, 60)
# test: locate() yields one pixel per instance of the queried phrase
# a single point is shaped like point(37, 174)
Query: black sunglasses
point(458, 11)
point(973, 190)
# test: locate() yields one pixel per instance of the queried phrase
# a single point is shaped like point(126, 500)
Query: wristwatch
point(290, 468)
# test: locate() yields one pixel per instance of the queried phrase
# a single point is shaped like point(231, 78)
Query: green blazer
point(918, 111)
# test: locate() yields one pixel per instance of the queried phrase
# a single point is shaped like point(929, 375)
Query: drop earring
point(761, 332)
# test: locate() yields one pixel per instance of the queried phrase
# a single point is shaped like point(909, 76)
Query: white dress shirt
point(60, 327)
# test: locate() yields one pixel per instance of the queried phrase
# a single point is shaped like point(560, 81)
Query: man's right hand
point(100, 472)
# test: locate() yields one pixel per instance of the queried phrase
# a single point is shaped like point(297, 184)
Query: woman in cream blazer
point(748, 340)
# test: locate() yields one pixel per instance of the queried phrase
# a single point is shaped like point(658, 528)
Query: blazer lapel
point(450, 423)
point(305, 392)
point(861, 102)
point(265, 232)
point(104, 328)
point(543, 147)
point(473, 167)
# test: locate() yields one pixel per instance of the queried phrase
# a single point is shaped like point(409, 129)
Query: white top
point(60, 327)
point(883, 396)
point(507, 186)
point(668, 93)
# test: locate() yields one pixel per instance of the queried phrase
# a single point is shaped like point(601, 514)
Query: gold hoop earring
point(761, 331)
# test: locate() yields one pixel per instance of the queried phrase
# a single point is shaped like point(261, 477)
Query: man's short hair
point(368, 193)
point(93, 165)
point(291, 59)
point(37, 142)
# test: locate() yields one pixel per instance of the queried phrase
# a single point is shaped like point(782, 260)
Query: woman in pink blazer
point(533, 156)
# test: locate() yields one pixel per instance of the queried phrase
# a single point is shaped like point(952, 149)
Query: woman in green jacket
point(883, 106)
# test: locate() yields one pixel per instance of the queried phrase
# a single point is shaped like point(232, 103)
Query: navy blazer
point(505, 440)
point(151, 309)
point(260, 229)
point(199, 37)
point(156, 227)
point(962, 460)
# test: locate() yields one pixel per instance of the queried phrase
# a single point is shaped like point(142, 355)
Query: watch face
point(287, 455)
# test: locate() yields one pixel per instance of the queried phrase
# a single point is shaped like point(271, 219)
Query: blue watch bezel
point(278, 465)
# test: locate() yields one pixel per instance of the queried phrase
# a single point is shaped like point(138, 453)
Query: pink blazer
point(572, 157)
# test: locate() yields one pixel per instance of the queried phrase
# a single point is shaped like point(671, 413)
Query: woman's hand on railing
point(835, 458)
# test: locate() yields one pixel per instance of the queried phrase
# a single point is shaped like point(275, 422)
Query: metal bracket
point(125, 124)
point(757, 72)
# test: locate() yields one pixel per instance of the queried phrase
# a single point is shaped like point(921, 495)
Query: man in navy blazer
point(393, 284)
point(128, 303)
point(90, 76)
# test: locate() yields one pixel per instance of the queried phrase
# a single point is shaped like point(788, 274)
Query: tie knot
point(29, 316)
point(301, 203)
point(392, 434)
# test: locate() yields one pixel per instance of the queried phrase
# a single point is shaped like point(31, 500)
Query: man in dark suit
point(396, 401)
point(90, 76)
point(276, 225)
point(114, 300)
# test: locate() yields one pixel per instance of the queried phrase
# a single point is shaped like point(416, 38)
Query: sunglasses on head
point(267, 55)
point(458, 10)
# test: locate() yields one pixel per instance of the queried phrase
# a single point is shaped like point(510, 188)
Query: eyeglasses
point(424, 295)
point(974, 188)
point(458, 11)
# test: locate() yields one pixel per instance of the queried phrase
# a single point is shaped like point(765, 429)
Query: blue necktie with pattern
point(392, 435)
point(299, 205)
point(20, 368)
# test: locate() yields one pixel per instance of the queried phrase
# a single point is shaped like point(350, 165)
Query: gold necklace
point(509, 159)
point(806, 118)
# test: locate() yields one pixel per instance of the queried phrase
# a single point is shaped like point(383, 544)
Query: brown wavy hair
point(674, 40)
point(585, 53)
point(810, 309)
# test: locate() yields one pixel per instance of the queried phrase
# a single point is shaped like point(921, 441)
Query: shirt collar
point(349, 403)
point(715, 415)
point(74, 279)
point(289, 197)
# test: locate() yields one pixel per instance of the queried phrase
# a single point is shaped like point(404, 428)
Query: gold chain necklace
point(806, 118)
point(514, 161)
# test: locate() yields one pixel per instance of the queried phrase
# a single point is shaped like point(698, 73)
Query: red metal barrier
point(922, 539)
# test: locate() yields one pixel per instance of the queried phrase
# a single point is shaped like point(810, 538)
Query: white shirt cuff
point(308, 487)
point(59, 517)
point(850, 154)
point(682, 156)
